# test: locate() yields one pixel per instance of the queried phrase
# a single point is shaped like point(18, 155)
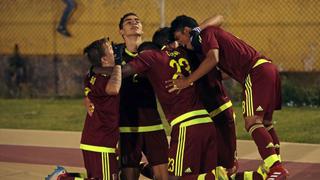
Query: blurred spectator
point(16, 74)
point(62, 28)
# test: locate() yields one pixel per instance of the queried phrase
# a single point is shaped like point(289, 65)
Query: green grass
point(292, 124)
point(45, 114)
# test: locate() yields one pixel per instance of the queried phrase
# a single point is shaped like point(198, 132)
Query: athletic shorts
point(193, 147)
point(100, 165)
point(262, 91)
point(153, 144)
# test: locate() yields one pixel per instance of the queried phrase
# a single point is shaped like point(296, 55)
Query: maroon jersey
point(160, 66)
point(101, 129)
point(236, 58)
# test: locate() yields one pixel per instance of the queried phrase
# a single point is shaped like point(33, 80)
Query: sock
point(275, 138)
point(263, 141)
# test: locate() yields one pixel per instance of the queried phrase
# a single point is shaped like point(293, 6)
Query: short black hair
point(124, 16)
point(147, 45)
point(162, 37)
point(95, 51)
point(180, 22)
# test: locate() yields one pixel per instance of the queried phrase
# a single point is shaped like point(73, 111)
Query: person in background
point(62, 27)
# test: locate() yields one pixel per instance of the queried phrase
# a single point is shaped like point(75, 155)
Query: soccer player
point(259, 77)
point(101, 130)
point(141, 129)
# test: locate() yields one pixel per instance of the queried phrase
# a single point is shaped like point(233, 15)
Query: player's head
point(130, 25)
point(100, 53)
point(162, 37)
point(181, 27)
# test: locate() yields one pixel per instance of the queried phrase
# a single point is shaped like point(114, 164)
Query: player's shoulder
point(149, 52)
point(211, 29)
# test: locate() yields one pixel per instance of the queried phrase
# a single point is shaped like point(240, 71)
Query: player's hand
point(89, 106)
point(195, 39)
point(117, 50)
point(177, 84)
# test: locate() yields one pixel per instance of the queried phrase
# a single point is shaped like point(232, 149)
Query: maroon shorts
point(262, 91)
point(193, 149)
point(100, 165)
point(153, 144)
point(226, 138)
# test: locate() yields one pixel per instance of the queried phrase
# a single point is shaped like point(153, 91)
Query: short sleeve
point(209, 40)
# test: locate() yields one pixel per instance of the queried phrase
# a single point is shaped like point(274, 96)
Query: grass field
point(292, 124)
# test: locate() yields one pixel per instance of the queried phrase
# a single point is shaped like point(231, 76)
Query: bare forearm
point(203, 69)
point(211, 60)
point(216, 20)
point(114, 83)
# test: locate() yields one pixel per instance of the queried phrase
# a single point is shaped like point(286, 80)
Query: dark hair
point(162, 37)
point(95, 51)
point(180, 22)
point(147, 45)
point(123, 17)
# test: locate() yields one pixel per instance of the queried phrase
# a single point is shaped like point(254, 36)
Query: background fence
point(287, 31)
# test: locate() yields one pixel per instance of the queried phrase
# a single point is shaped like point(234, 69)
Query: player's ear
point(121, 32)
point(186, 30)
point(103, 60)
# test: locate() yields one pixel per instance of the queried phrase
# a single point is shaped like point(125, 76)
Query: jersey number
point(170, 164)
point(181, 63)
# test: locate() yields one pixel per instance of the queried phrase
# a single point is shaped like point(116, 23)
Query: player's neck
point(133, 42)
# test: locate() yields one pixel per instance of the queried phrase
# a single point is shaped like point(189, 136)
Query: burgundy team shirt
point(236, 58)
point(160, 66)
point(102, 128)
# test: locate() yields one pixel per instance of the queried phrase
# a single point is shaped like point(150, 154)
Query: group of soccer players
point(186, 79)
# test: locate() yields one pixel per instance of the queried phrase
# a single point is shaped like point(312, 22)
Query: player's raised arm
point(216, 20)
point(114, 83)
point(113, 56)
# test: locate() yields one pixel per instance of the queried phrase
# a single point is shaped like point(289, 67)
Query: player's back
point(160, 66)
point(236, 57)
